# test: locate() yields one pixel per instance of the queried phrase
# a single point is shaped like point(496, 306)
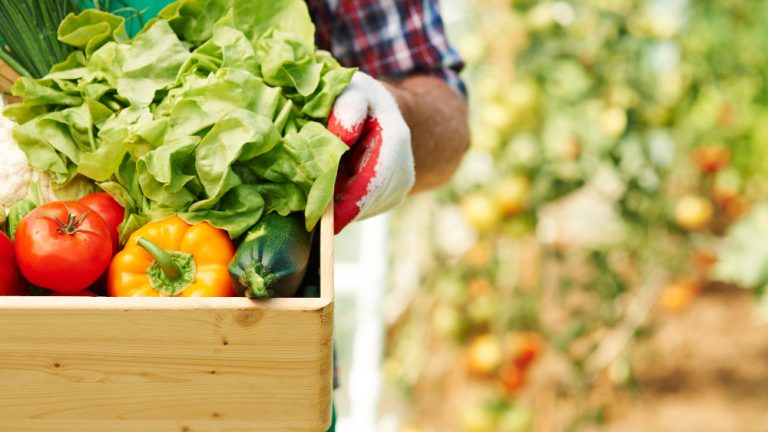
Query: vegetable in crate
point(63, 246)
point(15, 172)
point(272, 259)
point(16, 213)
point(173, 258)
point(109, 210)
point(211, 113)
point(11, 282)
point(19, 182)
point(28, 28)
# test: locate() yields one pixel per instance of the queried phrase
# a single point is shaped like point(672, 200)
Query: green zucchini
point(272, 259)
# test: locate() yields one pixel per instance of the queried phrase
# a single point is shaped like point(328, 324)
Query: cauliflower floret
point(15, 172)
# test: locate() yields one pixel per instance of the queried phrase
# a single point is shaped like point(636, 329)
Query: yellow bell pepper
point(173, 258)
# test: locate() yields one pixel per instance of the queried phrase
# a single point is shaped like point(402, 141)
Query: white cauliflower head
point(15, 172)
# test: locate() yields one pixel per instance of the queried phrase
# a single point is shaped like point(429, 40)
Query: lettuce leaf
point(91, 29)
point(149, 63)
point(214, 111)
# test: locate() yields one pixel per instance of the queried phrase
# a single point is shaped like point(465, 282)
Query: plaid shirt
point(387, 38)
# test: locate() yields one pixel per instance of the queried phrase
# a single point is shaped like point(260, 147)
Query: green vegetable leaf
point(42, 92)
point(235, 212)
point(119, 193)
point(236, 50)
point(161, 173)
point(256, 18)
point(131, 223)
point(91, 29)
point(287, 63)
point(40, 140)
point(209, 113)
point(16, 213)
point(193, 20)
point(334, 82)
point(326, 150)
point(149, 63)
point(283, 198)
point(239, 136)
point(308, 159)
point(75, 189)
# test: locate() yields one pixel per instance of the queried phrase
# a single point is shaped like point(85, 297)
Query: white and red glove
point(377, 172)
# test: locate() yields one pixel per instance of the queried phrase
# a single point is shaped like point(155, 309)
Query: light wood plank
point(326, 254)
point(36, 425)
point(162, 303)
point(271, 368)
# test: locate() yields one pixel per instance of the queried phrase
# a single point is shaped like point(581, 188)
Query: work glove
point(377, 172)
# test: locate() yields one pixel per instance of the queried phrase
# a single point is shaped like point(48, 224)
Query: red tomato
point(710, 159)
point(63, 246)
point(109, 210)
point(526, 347)
point(83, 293)
point(11, 282)
point(512, 378)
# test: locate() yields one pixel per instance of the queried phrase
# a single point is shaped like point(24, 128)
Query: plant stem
point(28, 28)
point(162, 257)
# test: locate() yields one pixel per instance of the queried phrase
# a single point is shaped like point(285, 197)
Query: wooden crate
point(101, 364)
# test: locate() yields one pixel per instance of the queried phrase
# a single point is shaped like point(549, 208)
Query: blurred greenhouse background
point(600, 260)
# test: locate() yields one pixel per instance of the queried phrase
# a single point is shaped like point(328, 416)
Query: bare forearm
point(437, 117)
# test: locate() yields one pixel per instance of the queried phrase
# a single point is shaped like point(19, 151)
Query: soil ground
point(705, 369)
point(702, 369)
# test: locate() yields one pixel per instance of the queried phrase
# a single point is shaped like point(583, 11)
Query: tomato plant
point(599, 182)
point(63, 246)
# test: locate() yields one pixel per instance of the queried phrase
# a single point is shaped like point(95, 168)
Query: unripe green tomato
point(485, 355)
point(476, 418)
point(693, 212)
point(448, 322)
point(481, 211)
point(516, 419)
point(482, 309)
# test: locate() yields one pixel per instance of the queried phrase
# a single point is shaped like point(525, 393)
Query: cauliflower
point(15, 172)
point(16, 175)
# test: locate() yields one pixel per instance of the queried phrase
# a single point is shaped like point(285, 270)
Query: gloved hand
point(377, 172)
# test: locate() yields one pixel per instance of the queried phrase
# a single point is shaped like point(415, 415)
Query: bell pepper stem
point(162, 257)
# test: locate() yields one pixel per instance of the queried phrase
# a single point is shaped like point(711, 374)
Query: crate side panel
point(270, 368)
point(146, 426)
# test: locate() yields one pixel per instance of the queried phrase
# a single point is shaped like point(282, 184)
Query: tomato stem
point(162, 257)
point(73, 223)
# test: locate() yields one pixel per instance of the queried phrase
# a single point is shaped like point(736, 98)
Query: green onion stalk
point(28, 42)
